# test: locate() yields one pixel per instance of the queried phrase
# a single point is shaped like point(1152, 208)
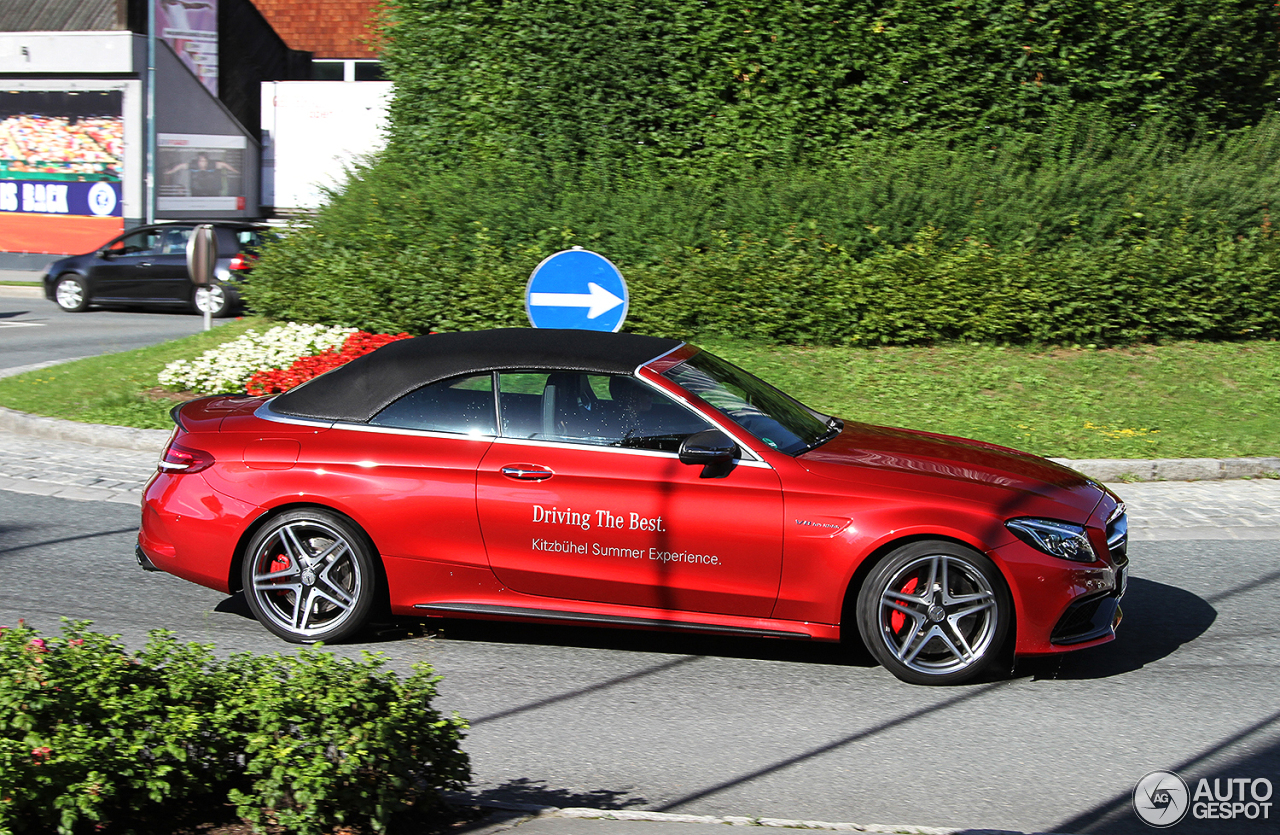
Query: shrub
point(91, 734)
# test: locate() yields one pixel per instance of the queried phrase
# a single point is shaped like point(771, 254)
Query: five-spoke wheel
point(934, 613)
point(308, 576)
point(211, 297)
point(70, 295)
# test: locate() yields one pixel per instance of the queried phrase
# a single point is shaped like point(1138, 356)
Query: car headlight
point(1061, 539)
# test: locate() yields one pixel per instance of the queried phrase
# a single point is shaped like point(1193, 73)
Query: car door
point(169, 280)
point(126, 267)
point(583, 497)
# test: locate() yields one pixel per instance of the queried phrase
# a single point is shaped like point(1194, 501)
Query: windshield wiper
point(834, 426)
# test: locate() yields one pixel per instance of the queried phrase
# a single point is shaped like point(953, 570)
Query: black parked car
point(148, 266)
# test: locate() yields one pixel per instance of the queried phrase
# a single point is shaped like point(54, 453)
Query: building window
point(346, 70)
point(369, 71)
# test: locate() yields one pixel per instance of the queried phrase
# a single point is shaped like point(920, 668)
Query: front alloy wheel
point(935, 613)
point(70, 295)
point(308, 576)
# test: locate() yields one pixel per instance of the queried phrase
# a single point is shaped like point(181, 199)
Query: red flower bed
point(280, 380)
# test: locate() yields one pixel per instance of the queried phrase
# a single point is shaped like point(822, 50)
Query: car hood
point(860, 447)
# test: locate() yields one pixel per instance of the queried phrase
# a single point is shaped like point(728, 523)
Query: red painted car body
point(775, 543)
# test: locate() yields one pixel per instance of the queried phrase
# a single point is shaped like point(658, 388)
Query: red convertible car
point(596, 478)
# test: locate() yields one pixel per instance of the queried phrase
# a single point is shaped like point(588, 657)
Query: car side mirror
point(711, 448)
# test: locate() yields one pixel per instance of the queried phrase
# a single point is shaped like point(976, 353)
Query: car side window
point(596, 409)
point(462, 405)
point(146, 242)
point(175, 240)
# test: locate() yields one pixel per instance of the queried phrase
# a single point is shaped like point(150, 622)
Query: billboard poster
point(61, 155)
point(191, 28)
point(200, 172)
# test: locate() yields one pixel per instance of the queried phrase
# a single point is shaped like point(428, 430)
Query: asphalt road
point(580, 717)
point(35, 330)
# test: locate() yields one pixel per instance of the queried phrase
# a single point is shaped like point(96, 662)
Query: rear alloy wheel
point(70, 295)
point(309, 576)
point(935, 613)
point(214, 297)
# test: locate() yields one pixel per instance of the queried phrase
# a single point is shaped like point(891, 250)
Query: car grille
point(1118, 536)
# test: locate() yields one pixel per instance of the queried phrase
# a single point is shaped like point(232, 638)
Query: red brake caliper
point(280, 563)
point(897, 619)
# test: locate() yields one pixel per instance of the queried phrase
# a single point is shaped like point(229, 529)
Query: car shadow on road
point(1158, 620)
point(629, 640)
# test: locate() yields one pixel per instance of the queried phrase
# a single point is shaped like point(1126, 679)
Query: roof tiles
point(327, 28)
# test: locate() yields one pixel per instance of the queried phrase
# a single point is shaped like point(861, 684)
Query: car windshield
point(778, 419)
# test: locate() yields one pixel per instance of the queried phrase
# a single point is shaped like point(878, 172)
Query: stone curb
point(725, 820)
point(1111, 470)
point(1174, 469)
point(94, 434)
point(16, 292)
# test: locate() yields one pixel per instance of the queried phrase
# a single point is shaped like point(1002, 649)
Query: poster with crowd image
point(61, 162)
point(200, 172)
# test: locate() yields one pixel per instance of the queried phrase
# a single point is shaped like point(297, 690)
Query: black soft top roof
point(363, 387)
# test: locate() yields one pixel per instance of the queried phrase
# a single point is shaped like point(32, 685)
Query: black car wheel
point(935, 613)
point(213, 296)
point(309, 576)
point(69, 294)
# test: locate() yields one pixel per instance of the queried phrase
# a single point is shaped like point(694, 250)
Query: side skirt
point(486, 610)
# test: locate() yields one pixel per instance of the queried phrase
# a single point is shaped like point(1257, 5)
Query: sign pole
point(150, 197)
point(202, 257)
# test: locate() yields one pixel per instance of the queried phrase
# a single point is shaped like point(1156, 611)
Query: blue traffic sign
point(576, 289)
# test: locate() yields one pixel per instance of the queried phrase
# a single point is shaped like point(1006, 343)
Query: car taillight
point(242, 261)
point(178, 458)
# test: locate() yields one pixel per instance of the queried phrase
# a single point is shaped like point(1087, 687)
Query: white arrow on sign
point(597, 300)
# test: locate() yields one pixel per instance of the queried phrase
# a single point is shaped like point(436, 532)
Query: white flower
point(228, 367)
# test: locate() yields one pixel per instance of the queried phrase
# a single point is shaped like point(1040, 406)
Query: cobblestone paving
point(1171, 510)
point(1235, 509)
point(73, 471)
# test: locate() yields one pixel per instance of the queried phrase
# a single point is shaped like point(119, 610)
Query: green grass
point(1186, 400)
point(113, 388)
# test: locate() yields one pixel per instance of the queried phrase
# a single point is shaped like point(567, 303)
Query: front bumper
point(1063, 605)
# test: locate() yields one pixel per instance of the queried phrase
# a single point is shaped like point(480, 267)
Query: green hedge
point(807, 290)
point(93, 735)
point(875, 173)
point(719, 81)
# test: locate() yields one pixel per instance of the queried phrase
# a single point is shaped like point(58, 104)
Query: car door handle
point(525, 472)
point(145, 264)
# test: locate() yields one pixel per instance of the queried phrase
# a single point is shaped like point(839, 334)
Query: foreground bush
point(93, 735)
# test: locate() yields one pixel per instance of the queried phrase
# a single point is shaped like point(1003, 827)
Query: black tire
point(935, 612)
point(215, 294)
point(70, 294)
point(309, 575)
